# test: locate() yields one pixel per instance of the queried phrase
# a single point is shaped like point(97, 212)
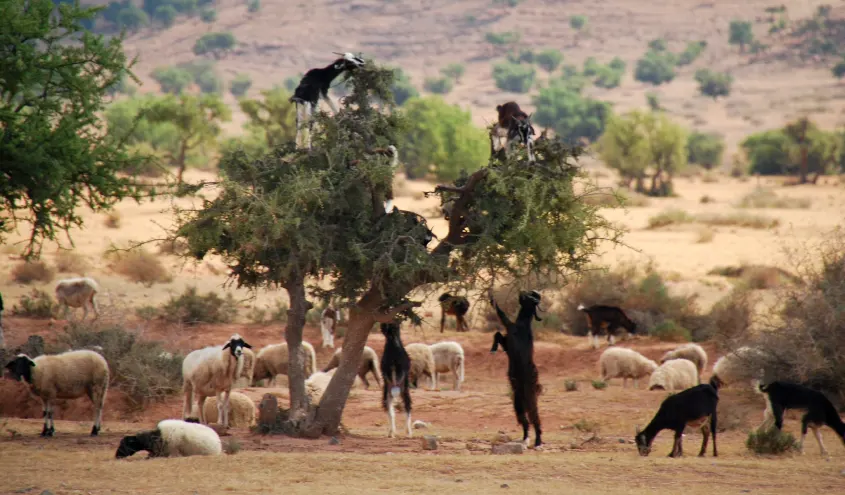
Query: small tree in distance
point(713, 84)
point(839, 70)
point(549, 59)
point(454, 71)
point(216, 44)
point(741, 34)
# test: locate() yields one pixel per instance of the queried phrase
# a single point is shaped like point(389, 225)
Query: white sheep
point(245, 378)
point(172, 438)
point(690, 352)
point(422, 363)
point(78, 292)
point(675, 374)
point(68, 375)
point(241, 410)
point(448, 357)
point(619, 362)
point(212, 371)
point(369, 364)
point(272, 360)
point(328, 326)
point(739, 365)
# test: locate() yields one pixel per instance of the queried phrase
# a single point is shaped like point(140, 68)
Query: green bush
point(208, 15)
point(740, 33)
point(503, 39)
point(669, 331)
point(209, 82)
point(515, 78)
point(165, 14)
point(655, 68)
point(617, 64)
point(216, 44)
point(173, 80)
point(36, 304)
point(253, 6)
point(838, 69)
point(599, 384)
point(439, 85)
point(713, 84)
point(771, 441)
point(453, 71)
point(240, 84)
point(524, 56)
point(570, 385)
point(578, 22)
point(132, 18)
point(570, 114)
point(658, 45)
point(591, 67)
point(402, 88)
point(607, 77)
point(691, 52)
point(191, 308)
point(705, 149)
point(549, 59)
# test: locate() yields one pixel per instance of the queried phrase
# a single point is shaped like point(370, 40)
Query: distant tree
point(209, 82)
point(516, 78)
point(570, 114)
point(54, 164)
point(591, 67)
point(253, 6)
point(173, 80)
point(658, 45)
point(741, 34)
point(691, 52)
point(713, 84)
point(653, 101)
point(217, 44)
point(624, 147)
point(166, 15)
point(506, 38)
point(208, 16)
point(438, 85)
point(578, 22)
point(839, 69)
point(291, 83)
point(607, 77)
point(705, 149)
point(799, 148)
point(454, 71)
point(271, 119)
point(549, 59)
point(132, 18)
point(617, 64)
point(402, 88)
point(240, 84)
point(655, 68)
point(523, 56)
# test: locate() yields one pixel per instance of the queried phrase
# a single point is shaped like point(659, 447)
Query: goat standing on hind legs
point(522, 372)
point(314, 86)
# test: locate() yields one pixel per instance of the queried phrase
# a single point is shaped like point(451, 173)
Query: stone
point(502, 437)
point(419, 425)
point(429, 442)
point(509, 448)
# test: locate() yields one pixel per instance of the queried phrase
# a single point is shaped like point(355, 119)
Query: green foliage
point(208, 15)
point(669, 331)
point(453, 71)
point(617, 64)
point(578, 22)
point(656, 68)
point(503, 39)
point(571, 115)
point(173, 80)
point(838, 69)
point(524, 56)
point(132, 18)
point(653, 101)
point(515, 78)
point(713, 84)
point(508, 3)
point(209, 82)
point(607, 77)
point(599, 384)
point(549, 59)
point(438, 85)
point(570, 385)
point(165, 14)
point(52, 90)
point(741, 34)
point(402, 88)
point(272, 120)
point(705, 149)
point(441, 136)
point(36, 304)
point(240, 84)
point(591, 66)
point(216, 44)
point(771, 442)
point(692, 51)
point(191, 308)
point(778, 152)
point(253, 6)
point(658, 45)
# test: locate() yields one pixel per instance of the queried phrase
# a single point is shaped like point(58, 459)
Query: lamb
point(522, 372)
point(781, 396)
point(241, 410)
point(68, 375)
point(619, 362)
point(691, 407)
point(272, 360)
point(172, 438)
point(212, 371)
point(328, 325)
point(422, 363)
point(448, 357)
point(396, 370)
point(79, 292)
point(610, 318)
point(245, 378)
point(675, 374)
point(368, 364)
point(690, 352)
point(515, 126)
point(458, 306)
point(314, 86)
point(736, 366)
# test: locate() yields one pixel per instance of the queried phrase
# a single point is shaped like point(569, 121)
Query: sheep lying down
point(172, 438)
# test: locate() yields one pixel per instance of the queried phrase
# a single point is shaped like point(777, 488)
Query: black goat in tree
point(315, 85)
point(522, 372)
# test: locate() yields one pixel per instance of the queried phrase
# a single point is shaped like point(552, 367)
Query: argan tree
point(293, 217)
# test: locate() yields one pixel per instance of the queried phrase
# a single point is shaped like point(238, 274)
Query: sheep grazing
point(448, 358)
point(739, 365)
point(172, 438)
point(272, 360)
point(690, 352)
point(675, 374)
point(368, 364)
point(618, 362)
point(422, 363)
point(396, 369)
point(212, 371)
point(328, 325)
point(781, 396)
point(314, 86)
point(692, 407)
point(457, 306)
point(241, 410)
point(68, 375)
point(78, 292)
point(514, 125)
point(609, 318)
point(522, 372)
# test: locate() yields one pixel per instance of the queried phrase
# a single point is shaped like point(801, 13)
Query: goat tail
point(581, 307)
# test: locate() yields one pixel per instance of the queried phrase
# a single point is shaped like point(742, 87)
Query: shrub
point(607, 78)
point(549, 59)
point(713, 84)
point(208, 15)
point(36, 304)
point(598, 384)
point(253, 6)
point(165, 14)
point(277, 314)
point(766, 198)
point(771, 441)
point(740, 33)
point(209, 82)
point(439, 85)
point(570, 385)
point(524, 56)
point(757, 276)
point(658, 45)
point(240, 84)
point(705, 149)
point(453, 71)
point(672, 216)
point(653, 101)
point(172, 80)
point(141, 266)
point(132, 18)
point(578, 22)
point(515, 78)
point(838, 69)
point(402, 88)
point(70, 262)
point(216, 44)
point(27, 272)
point(191, 308)
point(502, 39)
point(691, 52)
point(656, 68)
point(739, 220)
point(617, 64)
point(112, 220)
point(570, 114)
point(669, 331)
point(729, 320)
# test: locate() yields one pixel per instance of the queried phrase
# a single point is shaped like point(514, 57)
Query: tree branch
point(389, 316)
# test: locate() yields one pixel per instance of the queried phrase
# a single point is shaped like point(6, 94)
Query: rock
point(509, 448)
point(622, 440)
point(334, 441)
point(268, 409)
point(419, 425)
point(429, 442)
point(501, 437)
point(504, 485)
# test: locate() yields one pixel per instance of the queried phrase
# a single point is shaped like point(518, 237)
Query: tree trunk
point(180, 162)
point(299, 305)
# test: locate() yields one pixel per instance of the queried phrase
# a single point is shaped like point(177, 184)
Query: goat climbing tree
point(294, 217)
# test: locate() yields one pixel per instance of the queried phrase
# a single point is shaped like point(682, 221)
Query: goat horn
point(341, 54)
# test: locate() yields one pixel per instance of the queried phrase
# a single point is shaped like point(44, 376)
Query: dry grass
point(27, 272)
point(756, 276)
point(70, 262)
point(766, 198)
point(112, 220)
point(141, 266)
point(675, 216)
point(616, 199)
point(672, 216)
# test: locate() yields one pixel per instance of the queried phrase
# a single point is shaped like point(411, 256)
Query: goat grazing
point(457, 306)
point(691, 407)
point(601, 318)
point(328, 325)
point(781, 396)
point(314, 86)
point(514, 125)
point(395, 370)
point(522, 372)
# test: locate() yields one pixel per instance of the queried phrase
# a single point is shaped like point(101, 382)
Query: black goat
point(609, 318)
point(457, 306)
point(691, 407)
point(781, 396)
point(395, 366)
point(522, 372)
point(514, 125)
point(315, 85)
